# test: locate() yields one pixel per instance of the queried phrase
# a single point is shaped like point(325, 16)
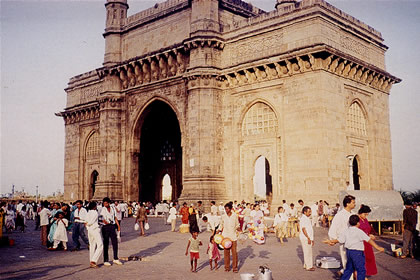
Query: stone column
point(203, 164)
point(110, 178)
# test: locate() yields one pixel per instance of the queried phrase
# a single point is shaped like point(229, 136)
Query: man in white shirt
point(229, 226)
point(340, 223)
point(165, 210)
point(110, 221)
point(221, 209)
point(44, 216)
point(118, 211)
point(314, 210)
point(286, 207)
point(79, 225)
point(306, 237)
point(94, 234)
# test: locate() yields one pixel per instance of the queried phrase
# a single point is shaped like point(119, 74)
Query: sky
point(44, 43)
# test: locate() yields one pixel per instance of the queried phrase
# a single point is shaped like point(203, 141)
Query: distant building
point(200, 89)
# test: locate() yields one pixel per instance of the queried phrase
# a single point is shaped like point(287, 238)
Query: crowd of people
point(228, 223)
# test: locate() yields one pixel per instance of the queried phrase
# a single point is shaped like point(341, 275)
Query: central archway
point(160, 152)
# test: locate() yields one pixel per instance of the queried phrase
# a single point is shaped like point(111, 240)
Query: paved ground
point(163, 253)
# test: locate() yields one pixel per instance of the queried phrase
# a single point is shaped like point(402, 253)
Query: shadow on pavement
point(243, 254)
point(152, 250)
point(37, 272)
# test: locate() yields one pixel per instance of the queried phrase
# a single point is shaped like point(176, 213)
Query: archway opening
point(263, 187)
point(166, 187)
point(160, 152)
point(93, 179)
point(356, 175)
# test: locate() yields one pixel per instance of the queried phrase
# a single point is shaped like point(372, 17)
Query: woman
point(184, 218)
point(141, 218)
point(369, 255)
point(192, 219)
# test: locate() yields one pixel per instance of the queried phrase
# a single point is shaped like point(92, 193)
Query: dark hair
point(205, 218)
point(284, 201)
point(305, 209)
point(353, 220)
point(211, 238)
point(213, 202)
point(229, 205)
point(364, 209)
point(58, 214)
point(300, 200)
point(279, 208)
point(106, 199)
point(92, 205)
point(200, 202)
point(347, 199)
point(79, 201)
point(291, 204)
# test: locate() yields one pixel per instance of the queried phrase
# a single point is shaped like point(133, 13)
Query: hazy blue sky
point(44, 43)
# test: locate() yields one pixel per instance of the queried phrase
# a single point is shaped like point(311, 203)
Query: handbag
point(146, 226)
point(136, 227)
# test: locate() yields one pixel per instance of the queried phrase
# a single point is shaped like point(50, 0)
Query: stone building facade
point(200, 89)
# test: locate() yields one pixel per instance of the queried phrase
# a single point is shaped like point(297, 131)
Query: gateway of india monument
point(201, 89)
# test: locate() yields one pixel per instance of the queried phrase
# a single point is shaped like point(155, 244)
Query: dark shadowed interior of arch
point(160, 152)
point(356, 174)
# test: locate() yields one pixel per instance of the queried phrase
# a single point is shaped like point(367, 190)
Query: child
point(213, 253)
point(353, 239)
point(195, 244)
point(280, 224)
point(60, 234)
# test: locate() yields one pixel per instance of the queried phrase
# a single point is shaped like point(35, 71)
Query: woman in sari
point(184, 218)
point(369, 255)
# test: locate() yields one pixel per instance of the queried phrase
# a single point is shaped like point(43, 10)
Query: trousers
point(234, 249)
point(109, 232)
point(79, 231)
point(96, 245)
point(355, 261)
point(308, 261)
point(407, 242)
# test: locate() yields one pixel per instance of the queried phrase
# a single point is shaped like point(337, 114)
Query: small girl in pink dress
point(214, 254)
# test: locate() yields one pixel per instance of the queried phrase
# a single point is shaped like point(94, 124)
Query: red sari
point(369, 255)
point(184, 212)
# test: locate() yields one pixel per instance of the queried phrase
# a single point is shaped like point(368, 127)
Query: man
point(320, 213)
point(221, 209)
point(340, 223)
point(286, 207)
point(409, 222)
point(109, 219)
point(79, 225)
point(94, 234)
point(299, 207)
point(306, 237)
point(165, 211)
point(200, 209)
point(44, 216)
point(118, 211)
point(228, 226)
point(314, 210)
point(213, 208)
point(293, 222)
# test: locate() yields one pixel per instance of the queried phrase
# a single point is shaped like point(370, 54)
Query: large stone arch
point(262, 143)
point(135, 158)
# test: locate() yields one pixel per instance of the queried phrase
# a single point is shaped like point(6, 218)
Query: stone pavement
point(163, 258)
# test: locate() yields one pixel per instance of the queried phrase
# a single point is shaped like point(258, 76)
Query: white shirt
point(213, 210)
point(108, 216)
point(229, 224)
point(43, 217)
point(339, 224)
point(172, 213)
point(353, 238)
point(81, 214)
point(280, 217)
point(118, 213)
point(305, 223)
point(165, 208)
point(293, 212)
point(221, 209)
point(19, 207)
point(92, 220)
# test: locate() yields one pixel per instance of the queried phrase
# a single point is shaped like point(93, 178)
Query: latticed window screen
point(259, 119)
point(167, 152)
point(356, 121)
point(92, 147)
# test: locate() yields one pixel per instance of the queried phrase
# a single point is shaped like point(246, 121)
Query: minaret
point(284, 3)
point(116, 15)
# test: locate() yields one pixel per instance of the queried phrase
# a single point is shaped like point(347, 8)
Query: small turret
point(281, 4)
point(116, 15)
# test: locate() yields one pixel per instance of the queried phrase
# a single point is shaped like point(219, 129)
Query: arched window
point(259, 119)
point(356, 121)
point(92, 147)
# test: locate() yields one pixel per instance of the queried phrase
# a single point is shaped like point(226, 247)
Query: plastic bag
point(146, 226)
point(136, 227)
point(119, 236)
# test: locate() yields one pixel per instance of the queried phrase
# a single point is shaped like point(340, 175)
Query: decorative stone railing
point(323, 58)
point(304, 4)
